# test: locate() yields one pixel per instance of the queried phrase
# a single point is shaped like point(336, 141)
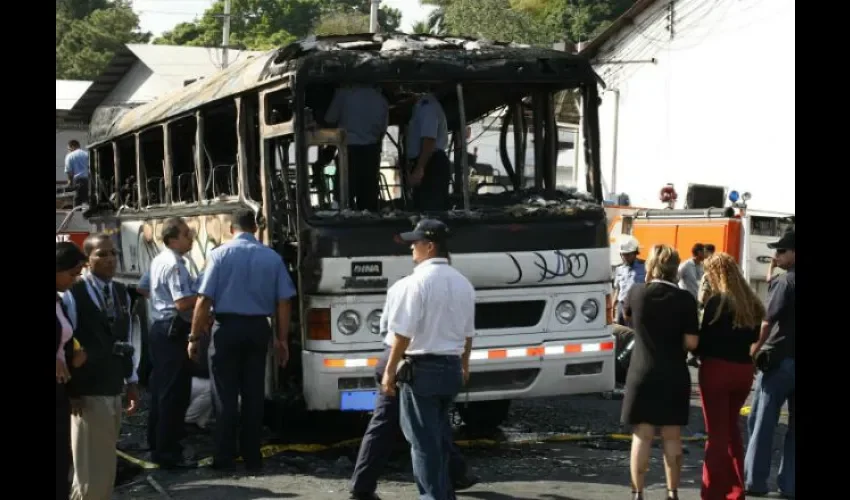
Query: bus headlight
point(590, 310)
point(565, 312)
point(348, 322)
point(373, 321)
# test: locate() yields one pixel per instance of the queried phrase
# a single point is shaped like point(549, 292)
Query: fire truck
point(250, 136)
point(71, 225)
point(733, 228)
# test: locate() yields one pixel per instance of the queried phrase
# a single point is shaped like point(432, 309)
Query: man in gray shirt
point(362, 111)
point(690, 271)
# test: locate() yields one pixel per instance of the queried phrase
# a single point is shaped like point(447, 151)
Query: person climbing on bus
point(363, 112)
point(429, 171)
point(627, 274)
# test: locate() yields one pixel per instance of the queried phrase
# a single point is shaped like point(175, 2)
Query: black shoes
point(364, 496)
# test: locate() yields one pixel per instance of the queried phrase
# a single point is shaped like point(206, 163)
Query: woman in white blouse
point(69, 263)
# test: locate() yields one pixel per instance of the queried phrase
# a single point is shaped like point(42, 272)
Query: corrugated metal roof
point(236, 78)
point(68, 92)
point(179, 63)
point(172, 62)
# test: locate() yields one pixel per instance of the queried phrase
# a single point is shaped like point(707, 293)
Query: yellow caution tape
point(271, 450)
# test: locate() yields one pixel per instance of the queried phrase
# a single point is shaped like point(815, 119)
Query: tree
point(264, 24)
point(495, 20)
point(421, 28)
point(88, 33)
point(530, 21)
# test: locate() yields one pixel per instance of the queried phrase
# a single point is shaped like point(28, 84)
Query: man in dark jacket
point(99, 310)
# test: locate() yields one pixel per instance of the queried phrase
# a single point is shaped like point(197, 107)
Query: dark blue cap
point(427, 229)
point(787, 242)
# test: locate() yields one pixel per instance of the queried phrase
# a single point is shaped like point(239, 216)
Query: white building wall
point(717, 106)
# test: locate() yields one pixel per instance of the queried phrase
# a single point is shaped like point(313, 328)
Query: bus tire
point(484, 416)
point(139, 338)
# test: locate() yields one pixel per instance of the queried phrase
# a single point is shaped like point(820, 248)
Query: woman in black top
point(69, 263)
point(730, 325)
point(658, 383)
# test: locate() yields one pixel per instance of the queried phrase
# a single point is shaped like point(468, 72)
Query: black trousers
point(237, 360)
point(63, 443)
point(81, 191)
point(364, 164)
point(380, 437)
point(432, 195)
point(170, 388)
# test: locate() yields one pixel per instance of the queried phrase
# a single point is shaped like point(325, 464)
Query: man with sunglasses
point(774, 354)
point(99, 310)
point(172, 298)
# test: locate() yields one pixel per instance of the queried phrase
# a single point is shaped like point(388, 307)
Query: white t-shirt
point(434, 307)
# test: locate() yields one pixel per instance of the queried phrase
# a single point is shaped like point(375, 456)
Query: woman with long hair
point(730, 325)
point(658, 383)
point(69, 264)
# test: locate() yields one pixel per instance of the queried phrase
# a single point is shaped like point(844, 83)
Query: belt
point(226, 316)
point(426, 357)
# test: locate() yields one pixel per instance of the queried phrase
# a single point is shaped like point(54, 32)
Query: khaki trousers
point(94, 435)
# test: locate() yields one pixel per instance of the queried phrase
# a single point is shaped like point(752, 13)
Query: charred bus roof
point(385, 58)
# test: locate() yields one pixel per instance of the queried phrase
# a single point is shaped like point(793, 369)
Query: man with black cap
point(774, 355)
point(383, 428)
point(430, 317)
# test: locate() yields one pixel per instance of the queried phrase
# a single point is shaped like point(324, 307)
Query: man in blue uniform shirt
point(172, 299)
point(426, 142)
point(247, 283)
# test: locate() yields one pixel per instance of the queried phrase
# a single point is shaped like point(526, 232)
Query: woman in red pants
point(730, 324)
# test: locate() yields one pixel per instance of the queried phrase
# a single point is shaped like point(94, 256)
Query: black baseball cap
point(786, 242)
point(427, 229)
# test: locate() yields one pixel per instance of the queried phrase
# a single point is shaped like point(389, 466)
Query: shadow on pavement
point(226, 492)
point(489, 495)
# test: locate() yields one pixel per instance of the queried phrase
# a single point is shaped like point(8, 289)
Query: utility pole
point(225, 34)
point(373, 16)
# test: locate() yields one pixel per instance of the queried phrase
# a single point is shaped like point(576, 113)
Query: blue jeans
point(425, 404)
point(771, 391)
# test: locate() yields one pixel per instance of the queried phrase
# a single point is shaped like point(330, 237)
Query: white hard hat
point(629, 246)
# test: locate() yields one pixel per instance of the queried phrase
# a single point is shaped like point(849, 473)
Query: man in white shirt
point(690, 271)
point(431, 322)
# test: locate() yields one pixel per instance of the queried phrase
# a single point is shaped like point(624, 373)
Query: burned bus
point(249, 136)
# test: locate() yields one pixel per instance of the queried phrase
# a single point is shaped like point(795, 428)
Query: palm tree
point(436, 19)
point(421, 28)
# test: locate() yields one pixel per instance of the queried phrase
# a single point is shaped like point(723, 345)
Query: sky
point(162, 15)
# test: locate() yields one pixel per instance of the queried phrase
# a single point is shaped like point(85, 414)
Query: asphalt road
point(591, 470)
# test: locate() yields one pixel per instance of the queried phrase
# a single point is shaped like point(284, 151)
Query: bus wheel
point(484, 416)
point(139, 339)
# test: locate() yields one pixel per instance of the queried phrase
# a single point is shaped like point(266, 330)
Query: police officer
point(774, 354)
point(380, 436)
point(631, 271)
point(430, 323)
point(246, 282)
point(172, 299)
point(362, 111)
point(425, 146)
point(99, 311)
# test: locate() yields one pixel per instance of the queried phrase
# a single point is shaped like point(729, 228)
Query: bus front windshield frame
point(527, 136)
